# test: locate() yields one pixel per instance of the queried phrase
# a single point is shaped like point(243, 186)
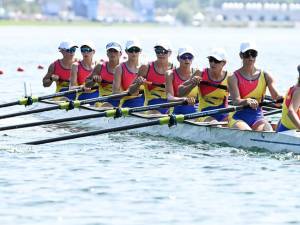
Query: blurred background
point(236, 13)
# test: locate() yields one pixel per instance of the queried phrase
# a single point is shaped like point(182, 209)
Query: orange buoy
point(1, 72)
point(19, 69)
point(40, 67)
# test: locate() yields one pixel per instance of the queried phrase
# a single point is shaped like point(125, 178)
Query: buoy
point(19, 69)
point(40, 67)
point(1, 72)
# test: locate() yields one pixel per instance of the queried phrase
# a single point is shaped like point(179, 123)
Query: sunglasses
point(70, 50)
point(112, 50)
point(186, 56)
point(161, 51)
point(134, 50)
point(213, 60)
point(249, 53)
point(86, 50)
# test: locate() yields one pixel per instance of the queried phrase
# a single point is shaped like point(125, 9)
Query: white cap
point(67, 45)
point(218, 53)
point(133, 43)
point(186, 49)
point(163, 43)
point(245, 46)
point(89, 44)
point(114, 45)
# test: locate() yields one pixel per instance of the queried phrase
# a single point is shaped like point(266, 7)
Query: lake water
point(125, 178)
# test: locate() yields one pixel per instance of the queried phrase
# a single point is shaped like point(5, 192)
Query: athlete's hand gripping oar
point(65, 105)
point(170, 120)
point(32, 99)
point(118, 112)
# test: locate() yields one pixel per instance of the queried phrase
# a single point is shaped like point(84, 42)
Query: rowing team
point(161, 82)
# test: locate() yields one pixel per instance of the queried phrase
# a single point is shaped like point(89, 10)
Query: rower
point(209, 82)
point(82, 69)
point(290, 118)
point(152, 76)
point(103, 73)
point(60, 70)
point(126, 73)
point(177, 76)
point(247, 86)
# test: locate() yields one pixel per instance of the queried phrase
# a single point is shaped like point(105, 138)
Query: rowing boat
point(192, 131)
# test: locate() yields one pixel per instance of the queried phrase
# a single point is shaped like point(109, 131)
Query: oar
point(118, 112)
point(65, 105)
point(170, 120)
point(32, 99)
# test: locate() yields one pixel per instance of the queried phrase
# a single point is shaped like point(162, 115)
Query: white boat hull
point(195, 132)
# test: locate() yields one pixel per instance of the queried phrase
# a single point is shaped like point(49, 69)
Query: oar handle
point(9, 104)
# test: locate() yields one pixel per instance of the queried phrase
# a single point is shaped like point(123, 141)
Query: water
point(125, 178)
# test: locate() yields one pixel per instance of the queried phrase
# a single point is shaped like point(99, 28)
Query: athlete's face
point(249, 57)
point(161, 53)
point(216, 64)
point(113, 54)
point(186, 59)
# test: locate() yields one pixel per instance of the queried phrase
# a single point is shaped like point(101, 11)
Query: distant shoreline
point(215, 24)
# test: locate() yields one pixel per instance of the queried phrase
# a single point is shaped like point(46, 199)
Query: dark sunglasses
point(70, 50)
point(249, 53)
point(186, 56)
point(161, 51)
point(86, 50)
point(112, 50)
point(213, 60)
point(134, 50)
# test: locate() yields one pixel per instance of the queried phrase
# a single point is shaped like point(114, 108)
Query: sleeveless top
point(212, 96)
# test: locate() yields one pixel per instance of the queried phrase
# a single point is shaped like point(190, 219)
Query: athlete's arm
point(50, 77)
point(94, 77)
point(185, 88)
point(73, 77)
point(142, 73)
point(116, 87)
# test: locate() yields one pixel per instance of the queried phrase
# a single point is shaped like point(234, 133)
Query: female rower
point(247, 86)
point(60, 70)
point(152, 76)
point(177, 76)
point(82, 69)
point(212, 86)
point(290, 118)
point(103, 73)
point(126, 73)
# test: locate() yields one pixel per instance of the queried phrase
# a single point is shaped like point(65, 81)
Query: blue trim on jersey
point(249, 115)
point(159, 101)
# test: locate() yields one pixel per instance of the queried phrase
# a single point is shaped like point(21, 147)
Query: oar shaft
point(46, 122)
point(156, 106)
point(9, 104)
point(97, 132)
point(28, 112)
point(104, 98)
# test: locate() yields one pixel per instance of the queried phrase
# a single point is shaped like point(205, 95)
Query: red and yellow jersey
point(178, 81)
point(64, 75)
point(285, 120)
point(105, 87)
point(82, 73)
point(212, 96)
point(127, 77)
point(156, 87)
point(255, 89)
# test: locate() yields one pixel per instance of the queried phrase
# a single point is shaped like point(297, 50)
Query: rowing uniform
point(105, 87)
point(286, 123)
point(155, 92)
point(82, 74)
point(127, 79)
point(254, 89)
point(182, 109)
point(64, 79)
point(211, 98)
